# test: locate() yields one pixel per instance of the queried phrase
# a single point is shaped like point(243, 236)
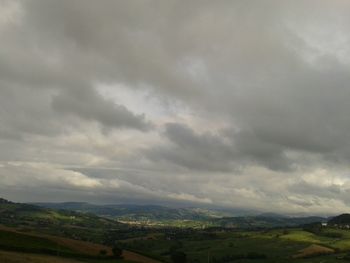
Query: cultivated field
point(17, 243)
point(17, 257)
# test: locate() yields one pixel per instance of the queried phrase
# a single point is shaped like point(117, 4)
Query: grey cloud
point(249, 146)
point(331, 191)
point(264, 82)
point(110, 42)
point(89, 105)
point(262, 87)
point(194, 151)
point(24, 112)
point(24, 178)
point(32, 57)
point(224, 151)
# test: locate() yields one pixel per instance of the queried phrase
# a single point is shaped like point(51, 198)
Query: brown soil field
point(313, 250)
point(82, 247)
point(15, 257)
point(128, 255)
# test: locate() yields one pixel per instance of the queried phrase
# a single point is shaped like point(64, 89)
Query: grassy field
point(338, 239)
point(278, 245)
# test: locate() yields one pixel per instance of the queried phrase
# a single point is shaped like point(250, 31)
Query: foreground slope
point(17, 257)
point(36, 247)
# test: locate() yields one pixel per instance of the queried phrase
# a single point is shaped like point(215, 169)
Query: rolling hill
point(84, 226)
point(343, 219)
point(138, 212)
point(265, 221)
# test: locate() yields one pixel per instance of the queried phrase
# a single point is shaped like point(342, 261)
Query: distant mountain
point(137, 212)
point(221, 218)
point(272, 215)
point(343, 219)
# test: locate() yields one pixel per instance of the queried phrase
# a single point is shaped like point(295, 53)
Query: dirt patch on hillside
point(313, 250)
point(94, 249)
point(128, 255)
point(82, 247)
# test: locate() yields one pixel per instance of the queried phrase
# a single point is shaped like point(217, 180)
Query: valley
point(57, 233)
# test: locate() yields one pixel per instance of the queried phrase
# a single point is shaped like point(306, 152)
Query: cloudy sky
point(211, 103)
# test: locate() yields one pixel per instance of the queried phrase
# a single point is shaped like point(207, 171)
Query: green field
point(219, 246)
point(277, 245)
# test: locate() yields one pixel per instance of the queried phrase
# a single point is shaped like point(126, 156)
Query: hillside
point(84, 226)
point(343, 219)
point(17, 246)
point(45, 235)
point(266, 221)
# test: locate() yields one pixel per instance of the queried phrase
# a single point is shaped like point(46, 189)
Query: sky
point(237, 104)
